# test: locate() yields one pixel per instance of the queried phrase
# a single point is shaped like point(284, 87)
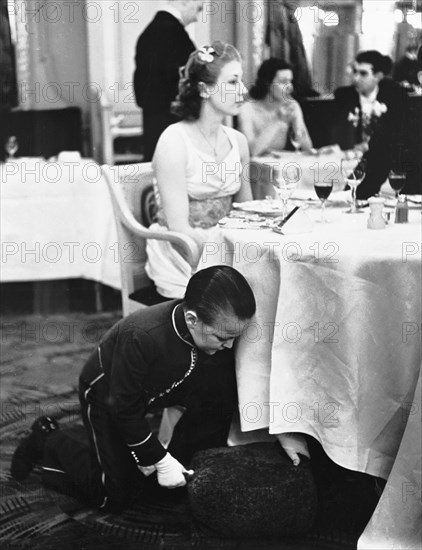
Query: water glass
point(354, 178)
point(284, 186)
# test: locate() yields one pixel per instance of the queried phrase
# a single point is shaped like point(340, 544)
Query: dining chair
point(132, 195)
point(121, 133)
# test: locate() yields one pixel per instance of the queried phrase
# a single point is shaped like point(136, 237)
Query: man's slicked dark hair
point(219, 290)
point(378, 61)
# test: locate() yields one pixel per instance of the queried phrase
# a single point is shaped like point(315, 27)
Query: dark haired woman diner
point(198, 163)
point(272, 117)
point(176, 353)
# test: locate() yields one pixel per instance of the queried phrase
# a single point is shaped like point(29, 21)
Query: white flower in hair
point(205, 54)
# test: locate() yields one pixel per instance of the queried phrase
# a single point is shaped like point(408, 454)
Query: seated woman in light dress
point(198, 163)
point(272, 116)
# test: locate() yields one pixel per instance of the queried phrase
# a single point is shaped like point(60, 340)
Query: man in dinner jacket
point(386, 145)
point(161, 50)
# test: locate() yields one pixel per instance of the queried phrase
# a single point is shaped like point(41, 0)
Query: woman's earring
point(203, 91)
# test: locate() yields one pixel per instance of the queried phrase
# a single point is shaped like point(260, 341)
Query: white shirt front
point(367, 102)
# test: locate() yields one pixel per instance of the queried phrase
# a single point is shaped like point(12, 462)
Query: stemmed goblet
point(11, 147)
point(284, 186)
point(323, 190)
point(294, 137)
point(354, 178)
point(397, 181)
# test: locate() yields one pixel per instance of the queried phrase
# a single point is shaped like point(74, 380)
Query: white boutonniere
point(371, 114)
point(378, 109)
point(371, 117)
point(205, 54)
point(354, 117)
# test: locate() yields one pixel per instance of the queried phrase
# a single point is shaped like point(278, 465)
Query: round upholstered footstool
point(252, 491)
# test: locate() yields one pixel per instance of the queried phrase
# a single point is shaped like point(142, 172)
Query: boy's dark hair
point(219, 290)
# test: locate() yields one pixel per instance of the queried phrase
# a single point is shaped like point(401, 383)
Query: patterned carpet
point(41, 359)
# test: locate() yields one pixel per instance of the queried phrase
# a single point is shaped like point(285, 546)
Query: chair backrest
point(130, 187)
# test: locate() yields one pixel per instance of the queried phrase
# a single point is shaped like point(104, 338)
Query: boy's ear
point(191, 318)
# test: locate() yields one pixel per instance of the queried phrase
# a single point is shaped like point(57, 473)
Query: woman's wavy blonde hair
point(203, 66)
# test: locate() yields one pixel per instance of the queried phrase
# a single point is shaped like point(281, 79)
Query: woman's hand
point(293, 444)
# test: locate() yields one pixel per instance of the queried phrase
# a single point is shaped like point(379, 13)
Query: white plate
point(264, 207)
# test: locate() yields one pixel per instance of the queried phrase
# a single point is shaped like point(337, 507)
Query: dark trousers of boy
point(101, 471)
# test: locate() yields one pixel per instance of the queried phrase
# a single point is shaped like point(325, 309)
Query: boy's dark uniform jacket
point(139, 359)
point(390, 145)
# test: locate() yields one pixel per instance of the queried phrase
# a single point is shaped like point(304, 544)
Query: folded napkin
point(230, 222)
point(69, 156)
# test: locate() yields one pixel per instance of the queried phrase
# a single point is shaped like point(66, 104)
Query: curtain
point(284, 38)
point(8, 88)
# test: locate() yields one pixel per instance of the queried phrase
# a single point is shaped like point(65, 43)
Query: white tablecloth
point(334, 350)
point(57, 222)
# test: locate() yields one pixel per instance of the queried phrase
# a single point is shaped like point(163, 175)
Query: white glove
point(293, 444)
point(170, 472)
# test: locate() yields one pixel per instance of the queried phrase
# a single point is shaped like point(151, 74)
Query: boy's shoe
point(30, 449)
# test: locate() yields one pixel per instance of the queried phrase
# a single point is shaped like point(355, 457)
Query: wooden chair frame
point(126, 184)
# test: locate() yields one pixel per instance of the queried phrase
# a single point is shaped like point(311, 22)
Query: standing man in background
point(162, 49)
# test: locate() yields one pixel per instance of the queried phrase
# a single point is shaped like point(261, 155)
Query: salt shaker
point(376, 219)
point(402, 210)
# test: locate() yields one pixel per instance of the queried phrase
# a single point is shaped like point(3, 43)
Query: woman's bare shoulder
point(294, 106)
point(171, 140)
point(173, 131)
point(171, 147)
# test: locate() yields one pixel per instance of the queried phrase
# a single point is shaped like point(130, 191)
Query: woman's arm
point(258, 142)
point(169, 162)
point(245, 191)
point(300, 128)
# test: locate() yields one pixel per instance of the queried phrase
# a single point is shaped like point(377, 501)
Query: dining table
point(334, 350)
point(57, 221)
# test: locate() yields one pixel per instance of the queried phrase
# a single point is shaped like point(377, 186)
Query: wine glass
point(323, 190)
point(11, 147)
point(294, 136)
point(284, 186)
point(353, 178)
point(397, 181)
